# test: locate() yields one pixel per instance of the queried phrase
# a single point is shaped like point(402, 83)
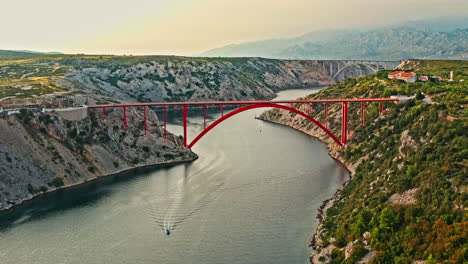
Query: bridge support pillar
point(222, 110)
point(184, 110)
point(325, 115)
point(344, 123)
point(104, 113)
point(309, 110)
point(165, 122)
point(381, 108)
point(204, 116)
point(125, 117)
point(144, 119)
point(363, 113)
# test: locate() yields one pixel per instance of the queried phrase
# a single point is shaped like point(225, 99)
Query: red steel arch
point(249, 107)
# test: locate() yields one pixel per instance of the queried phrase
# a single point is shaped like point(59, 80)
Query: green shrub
point(56, 182)
point(31, 189)
point(358, 252)
point(92, 169)
point(337, 256)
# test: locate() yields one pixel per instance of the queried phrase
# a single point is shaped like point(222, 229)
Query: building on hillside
point(423, 78)
point(409, 77)
point(395, 75)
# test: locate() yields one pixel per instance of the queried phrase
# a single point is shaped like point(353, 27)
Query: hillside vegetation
point(417, 146)
point(407, 199)
point(156, 78)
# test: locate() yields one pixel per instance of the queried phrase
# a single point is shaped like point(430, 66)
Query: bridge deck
point(252, 104)
point(247, 102)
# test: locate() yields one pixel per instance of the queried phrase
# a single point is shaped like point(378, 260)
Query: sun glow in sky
point(189, 27)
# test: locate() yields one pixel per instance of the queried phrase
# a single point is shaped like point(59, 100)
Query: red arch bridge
point(241, 106)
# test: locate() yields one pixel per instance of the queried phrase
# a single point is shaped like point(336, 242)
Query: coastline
point(119, 172)
point(315, 240)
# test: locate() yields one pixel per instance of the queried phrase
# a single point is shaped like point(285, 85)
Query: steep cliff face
point(40, 152)
point(197, 79)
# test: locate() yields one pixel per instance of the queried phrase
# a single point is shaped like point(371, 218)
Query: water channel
point(251, 197)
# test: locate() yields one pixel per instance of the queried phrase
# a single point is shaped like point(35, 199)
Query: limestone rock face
point(196, 80)
point(38, 148)
point(408, 197)
point(168, 78)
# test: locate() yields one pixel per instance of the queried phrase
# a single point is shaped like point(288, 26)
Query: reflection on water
point(251, 197)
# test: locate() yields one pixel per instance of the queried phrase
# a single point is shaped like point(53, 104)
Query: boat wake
point(188, 195)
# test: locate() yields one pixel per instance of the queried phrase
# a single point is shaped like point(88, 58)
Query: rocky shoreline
point(43, 152)
point(120, 172)
point(333, 151)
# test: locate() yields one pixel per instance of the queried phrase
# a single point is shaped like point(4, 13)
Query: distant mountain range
point(425, 39)
point(18, 53)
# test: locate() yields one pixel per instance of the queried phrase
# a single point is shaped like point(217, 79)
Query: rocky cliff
point(194, 79)
point(160, 78)
point(40, 152)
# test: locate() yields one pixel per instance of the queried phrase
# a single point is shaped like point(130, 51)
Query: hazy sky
point(188, 27)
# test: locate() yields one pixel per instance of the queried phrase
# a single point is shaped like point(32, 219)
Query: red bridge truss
point(248, 105)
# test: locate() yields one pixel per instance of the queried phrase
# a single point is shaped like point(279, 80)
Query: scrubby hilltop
point(191, 79)
point(163, 78)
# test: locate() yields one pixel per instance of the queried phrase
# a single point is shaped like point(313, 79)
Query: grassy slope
point(436, 227)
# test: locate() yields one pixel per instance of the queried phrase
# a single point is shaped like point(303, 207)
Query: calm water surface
point(251, 197)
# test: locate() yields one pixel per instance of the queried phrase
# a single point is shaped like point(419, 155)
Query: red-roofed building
point(409, 77)
point(395, 75)
point(423, 78)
